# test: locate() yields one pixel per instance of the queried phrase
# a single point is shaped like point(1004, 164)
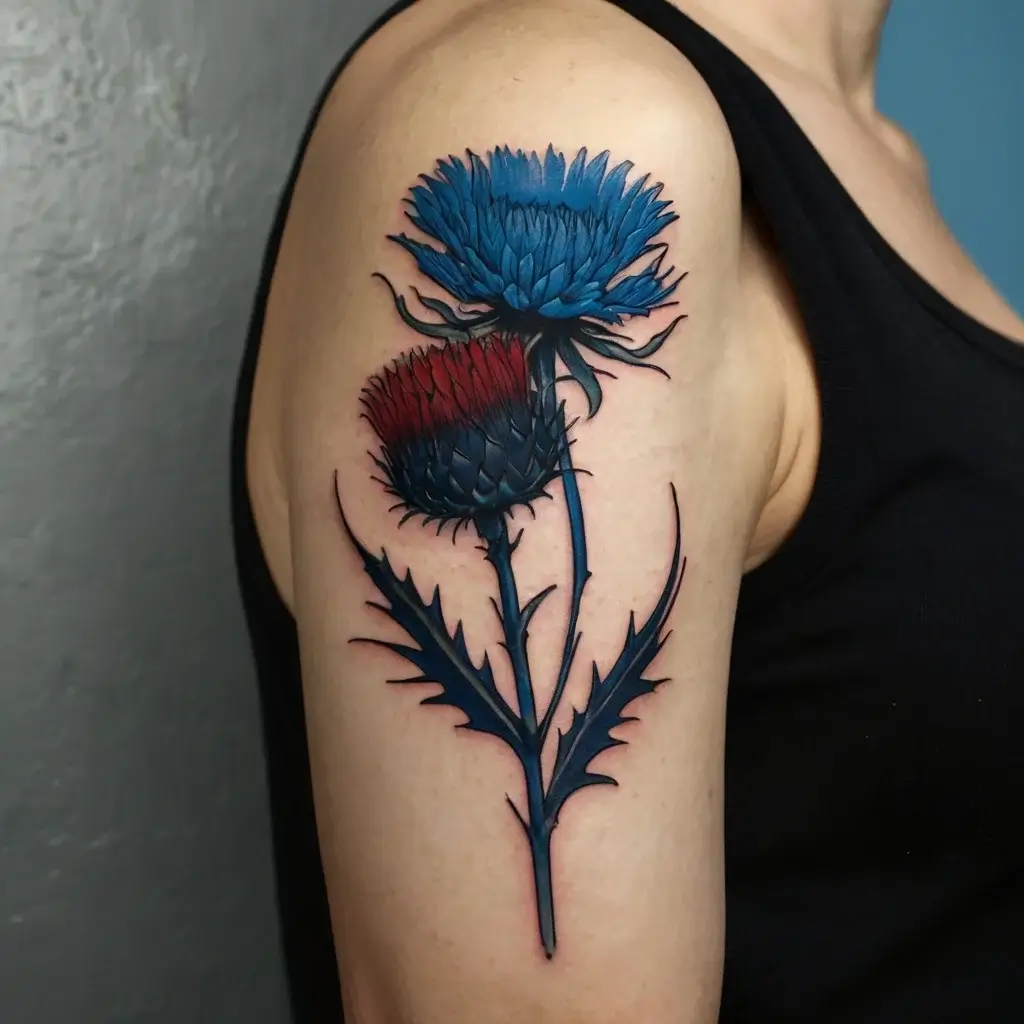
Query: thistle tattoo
point(547, 263)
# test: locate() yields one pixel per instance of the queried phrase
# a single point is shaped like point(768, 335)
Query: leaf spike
point(590, 732)
point(575, 646)
point(440, 656)
point(374, 642)
point(529, 610)
point(519, 817)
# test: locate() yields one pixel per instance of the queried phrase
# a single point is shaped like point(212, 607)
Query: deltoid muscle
point(546, 264)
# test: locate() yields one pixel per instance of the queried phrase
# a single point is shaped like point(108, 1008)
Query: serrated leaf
point(441, 656)
point(590, 732)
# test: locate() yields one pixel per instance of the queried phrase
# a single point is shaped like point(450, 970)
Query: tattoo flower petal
point(526, 235)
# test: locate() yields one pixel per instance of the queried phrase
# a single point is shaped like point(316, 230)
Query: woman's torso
point(875, 696)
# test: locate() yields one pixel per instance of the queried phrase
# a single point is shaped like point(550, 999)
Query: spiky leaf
point(590, 733)
point(440, 655)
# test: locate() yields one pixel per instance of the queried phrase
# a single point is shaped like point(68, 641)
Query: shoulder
point(510, 34)
point(580, 68)
point(537, 88)
point(578, 76)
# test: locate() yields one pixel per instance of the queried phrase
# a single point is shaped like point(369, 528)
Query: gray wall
point(142, 145)
point(141, 148)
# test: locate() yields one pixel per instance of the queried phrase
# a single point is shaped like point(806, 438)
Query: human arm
point(438, 912)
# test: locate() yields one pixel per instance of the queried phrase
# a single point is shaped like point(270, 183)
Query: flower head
point(526, 236)
point(462, 430)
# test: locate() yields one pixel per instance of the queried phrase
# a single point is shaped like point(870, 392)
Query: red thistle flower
point(462, 430)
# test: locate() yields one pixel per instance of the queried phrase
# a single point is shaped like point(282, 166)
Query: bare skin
point(739, 425)
point(819, 57)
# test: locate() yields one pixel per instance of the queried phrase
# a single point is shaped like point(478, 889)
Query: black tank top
point(874, 767)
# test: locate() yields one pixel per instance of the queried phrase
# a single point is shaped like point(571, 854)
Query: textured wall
point(141, 147)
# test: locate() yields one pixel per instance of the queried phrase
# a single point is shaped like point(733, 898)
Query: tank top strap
point(834, 274)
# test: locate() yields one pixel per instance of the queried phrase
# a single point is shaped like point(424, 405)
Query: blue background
point(952, 74)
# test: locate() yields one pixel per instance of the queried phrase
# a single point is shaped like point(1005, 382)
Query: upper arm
point(435, 809)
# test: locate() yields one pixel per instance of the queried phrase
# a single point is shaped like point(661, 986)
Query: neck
point(835, 42)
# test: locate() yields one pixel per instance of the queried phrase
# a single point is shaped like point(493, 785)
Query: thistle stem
point(577, 536)
point(493, 531)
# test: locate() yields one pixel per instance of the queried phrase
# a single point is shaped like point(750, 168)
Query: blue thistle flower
point(554, 253)
point(529, 237)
